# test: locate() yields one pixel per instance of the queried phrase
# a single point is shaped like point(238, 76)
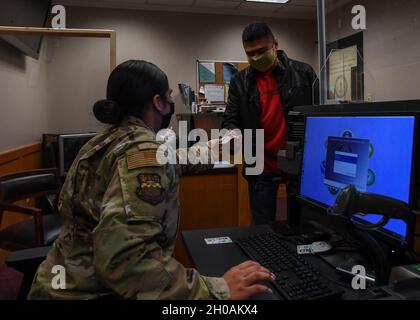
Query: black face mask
point(166, 118)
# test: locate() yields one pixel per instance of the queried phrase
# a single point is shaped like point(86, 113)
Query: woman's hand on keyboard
point(242, 280)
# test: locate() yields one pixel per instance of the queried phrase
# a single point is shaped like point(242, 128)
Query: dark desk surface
point(215, 260)
point(217, 169)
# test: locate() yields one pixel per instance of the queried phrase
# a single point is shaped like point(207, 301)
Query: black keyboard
point(296, 278)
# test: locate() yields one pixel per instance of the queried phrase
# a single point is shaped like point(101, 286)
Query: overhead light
point(269, 1)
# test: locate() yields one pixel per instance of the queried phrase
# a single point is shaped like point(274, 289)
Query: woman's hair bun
point(108, 111)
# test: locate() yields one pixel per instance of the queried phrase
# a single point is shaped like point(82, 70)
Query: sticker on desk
point(306, 249)
point(220, 240)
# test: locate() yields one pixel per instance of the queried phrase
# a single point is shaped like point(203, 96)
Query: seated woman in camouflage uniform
point(120, 208)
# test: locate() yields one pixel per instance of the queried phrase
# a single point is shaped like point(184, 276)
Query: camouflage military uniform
point(120, 211)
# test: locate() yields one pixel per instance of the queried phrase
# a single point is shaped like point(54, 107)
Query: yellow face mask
point(264, 61)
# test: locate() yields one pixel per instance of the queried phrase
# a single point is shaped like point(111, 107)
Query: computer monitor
point(372, 152)
point(69, 146)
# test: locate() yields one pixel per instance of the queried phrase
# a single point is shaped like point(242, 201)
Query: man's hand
point(242, 279)
point(233, 138)
point(216, 150)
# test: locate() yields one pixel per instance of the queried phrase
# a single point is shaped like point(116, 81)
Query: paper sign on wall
point(215, 93)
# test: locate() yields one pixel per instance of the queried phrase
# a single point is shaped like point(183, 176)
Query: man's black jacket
point(295, 82)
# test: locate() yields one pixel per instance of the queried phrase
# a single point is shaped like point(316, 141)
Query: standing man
point(260, 97)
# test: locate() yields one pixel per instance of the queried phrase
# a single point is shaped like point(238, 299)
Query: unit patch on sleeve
point(150, 189)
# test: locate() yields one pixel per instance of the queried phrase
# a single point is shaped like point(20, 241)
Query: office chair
point(45, 226)
point(26, 262)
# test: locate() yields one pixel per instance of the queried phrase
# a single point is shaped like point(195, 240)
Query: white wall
point(173, 41)
point(23, 100)
point(56, 93)
point(391, 46)
point(73, 71)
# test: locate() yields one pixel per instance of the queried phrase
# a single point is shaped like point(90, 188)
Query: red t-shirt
point(272, 120)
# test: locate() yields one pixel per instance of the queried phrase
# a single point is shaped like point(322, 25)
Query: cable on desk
point(340, 237)
point(344, 241)
point(345, 249)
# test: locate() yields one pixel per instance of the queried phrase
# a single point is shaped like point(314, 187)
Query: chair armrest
point(27, 259)
point(34, 212)
point(21, 209)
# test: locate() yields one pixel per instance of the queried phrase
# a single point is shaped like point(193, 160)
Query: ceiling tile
point(298, 9)
point(172, 3)
point(132, 2)
point(267, 7)
point(219, 4)
point(303, 2)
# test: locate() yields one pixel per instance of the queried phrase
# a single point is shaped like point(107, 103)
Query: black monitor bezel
point(61, 140)
point(382, 234)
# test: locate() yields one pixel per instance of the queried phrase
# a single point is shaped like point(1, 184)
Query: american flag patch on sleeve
point(142, 159)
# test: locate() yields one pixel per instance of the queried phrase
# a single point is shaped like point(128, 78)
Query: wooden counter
point(207, 200)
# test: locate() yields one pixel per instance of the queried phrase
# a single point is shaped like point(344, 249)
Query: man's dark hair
point(256, 31)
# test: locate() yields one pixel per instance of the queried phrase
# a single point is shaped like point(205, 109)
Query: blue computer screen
point(374, 154)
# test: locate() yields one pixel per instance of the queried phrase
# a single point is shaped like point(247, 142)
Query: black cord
point(346, 249)
point(345, 240)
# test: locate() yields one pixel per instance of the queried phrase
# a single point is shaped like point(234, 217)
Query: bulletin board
point(213, 79)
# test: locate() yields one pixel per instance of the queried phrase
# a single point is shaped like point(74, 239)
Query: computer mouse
point(320, 247)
